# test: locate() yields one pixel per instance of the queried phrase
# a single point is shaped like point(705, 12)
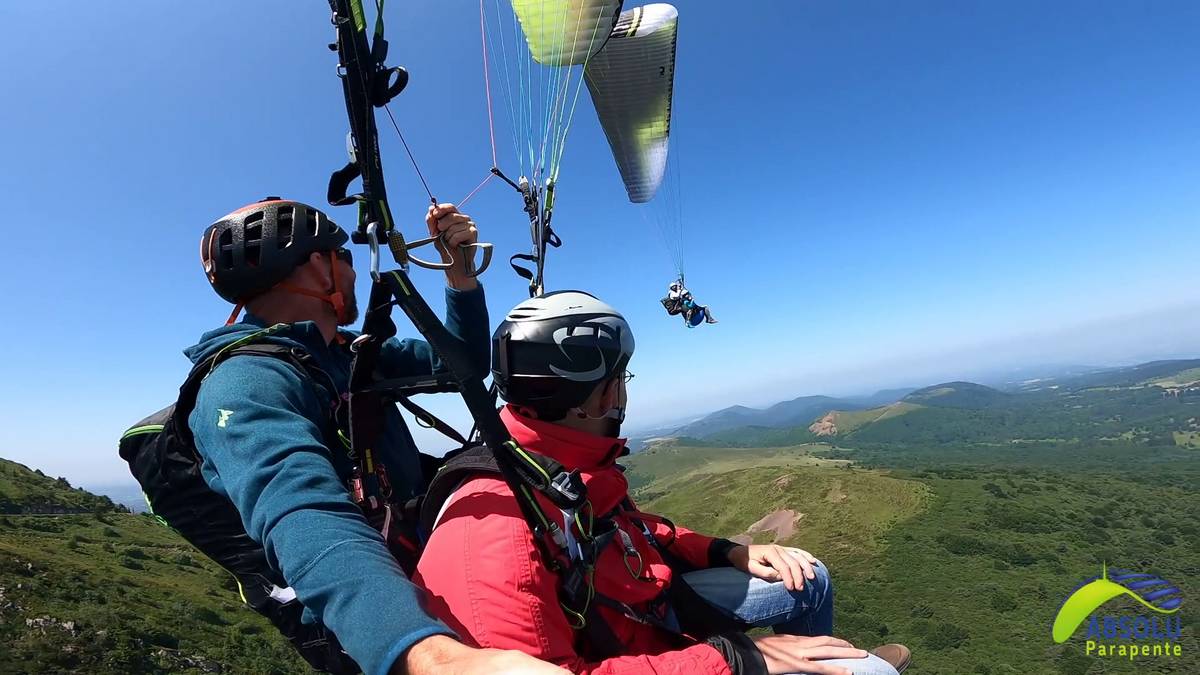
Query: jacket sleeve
point(486, 578)
point(466, 319)
point(698, 550)
point(254, 428)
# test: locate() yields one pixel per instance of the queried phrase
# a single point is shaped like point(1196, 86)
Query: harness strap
point(429, 421)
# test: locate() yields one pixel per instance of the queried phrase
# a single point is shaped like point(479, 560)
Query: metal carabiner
point(373, 242)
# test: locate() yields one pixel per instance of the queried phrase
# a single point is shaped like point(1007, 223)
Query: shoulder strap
point(475, 460)
point(191, 386)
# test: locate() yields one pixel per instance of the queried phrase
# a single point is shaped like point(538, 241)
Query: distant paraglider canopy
point(539, 53)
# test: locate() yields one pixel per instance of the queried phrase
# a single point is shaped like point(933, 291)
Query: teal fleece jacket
point(259, 427)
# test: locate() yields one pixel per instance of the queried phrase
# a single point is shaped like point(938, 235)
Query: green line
point(400, 280)
point(517, 449)
point(249, 338)
point(356, 11)
point(146, 429)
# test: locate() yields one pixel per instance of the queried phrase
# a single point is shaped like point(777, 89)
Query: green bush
point(135, 552)
point(1002, 601)
point(947, 636)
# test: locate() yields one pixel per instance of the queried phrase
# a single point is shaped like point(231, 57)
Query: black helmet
point(256, 247)
point(551, 351)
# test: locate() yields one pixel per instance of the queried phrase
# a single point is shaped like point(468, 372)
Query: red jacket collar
point(572, 448)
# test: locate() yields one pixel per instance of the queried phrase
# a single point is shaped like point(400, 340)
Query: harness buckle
point(568, 485)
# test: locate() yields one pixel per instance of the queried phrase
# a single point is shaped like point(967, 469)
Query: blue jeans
point(808, 611)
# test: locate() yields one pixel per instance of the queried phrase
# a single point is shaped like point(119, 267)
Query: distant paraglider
point(679, 302)
point(541, 53)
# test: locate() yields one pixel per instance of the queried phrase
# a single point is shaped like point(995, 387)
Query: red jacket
point(489, 582)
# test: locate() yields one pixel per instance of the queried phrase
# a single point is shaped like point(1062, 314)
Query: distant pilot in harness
point(679, 301)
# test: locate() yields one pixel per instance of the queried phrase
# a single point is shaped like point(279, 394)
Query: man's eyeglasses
point(627, 376)
point(344, 255)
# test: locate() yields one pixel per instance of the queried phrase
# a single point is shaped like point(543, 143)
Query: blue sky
point(863, 184)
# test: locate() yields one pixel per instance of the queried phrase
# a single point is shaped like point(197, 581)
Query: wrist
point(429, 656)
point(724, 553)
point(740, 653)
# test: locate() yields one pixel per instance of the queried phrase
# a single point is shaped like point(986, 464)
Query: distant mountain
point(1155, 403)
point(128, 494)
point(1127, 376)
point(796, 412)
point(881, 397)
point(958, 395)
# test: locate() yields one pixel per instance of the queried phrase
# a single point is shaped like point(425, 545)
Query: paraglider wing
point(565, 32)
point(631, 81)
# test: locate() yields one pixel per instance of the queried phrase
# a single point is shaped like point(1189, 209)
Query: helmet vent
point(225, 250)
point(312, 223)
point(283, 229)
point(253, 234)
point(253, 255)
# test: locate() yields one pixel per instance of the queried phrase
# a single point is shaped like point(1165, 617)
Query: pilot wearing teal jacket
point(260, 427)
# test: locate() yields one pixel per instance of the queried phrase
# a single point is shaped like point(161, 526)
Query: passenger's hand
point(454, 229)
point(775, 563)
point(796, 654)
point(443, 655)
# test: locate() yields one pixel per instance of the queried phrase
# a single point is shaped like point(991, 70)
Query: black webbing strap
point(429, 421)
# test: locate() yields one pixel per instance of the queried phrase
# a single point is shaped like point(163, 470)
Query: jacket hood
point(303, 334)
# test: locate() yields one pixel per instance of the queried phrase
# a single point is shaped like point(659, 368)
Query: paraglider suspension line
point(411, 158)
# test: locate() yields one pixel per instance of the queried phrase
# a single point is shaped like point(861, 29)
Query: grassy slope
point(1181, 379)
point(113, 592)
point(848, 422)
point(24, 490)
point(967, 565)
point(130, 587)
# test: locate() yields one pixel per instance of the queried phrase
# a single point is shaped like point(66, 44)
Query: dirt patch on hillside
point(836, 495)
point(826, 426)
point(781, 524)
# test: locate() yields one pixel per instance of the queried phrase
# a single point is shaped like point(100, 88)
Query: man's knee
point(815, 594)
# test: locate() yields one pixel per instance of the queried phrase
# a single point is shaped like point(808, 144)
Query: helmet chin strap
point(334, 299)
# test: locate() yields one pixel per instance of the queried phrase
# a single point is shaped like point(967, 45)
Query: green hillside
point(23, 490)
point(959, 395)
point(1183, 378)
point(842, 422)
point(105, 591)
point(966, 561)
point(1163, 410)
point(678, 459)
point(837, 508)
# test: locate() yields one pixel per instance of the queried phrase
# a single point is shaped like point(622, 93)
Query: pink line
point(487, 85)
point(477, 189)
